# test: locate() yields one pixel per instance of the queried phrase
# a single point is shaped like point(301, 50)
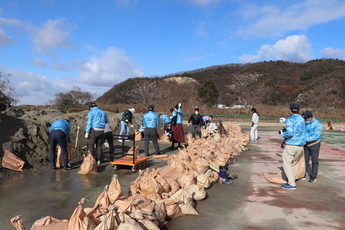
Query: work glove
point(87, 135)
point(132, 126)
point(126, 121)
point(188, 124)
point(281, 131)
point(282, 120)
point(179, 105)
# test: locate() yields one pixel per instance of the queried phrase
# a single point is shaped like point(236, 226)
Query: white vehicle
point(238, 107)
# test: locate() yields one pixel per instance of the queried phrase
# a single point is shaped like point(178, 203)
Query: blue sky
point(48, 46)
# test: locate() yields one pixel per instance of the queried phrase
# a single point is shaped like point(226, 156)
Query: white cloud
point(204, 2)
point(197, 58)
point(332, 53)
point(294, 48)
point(272, 20)
point(110, 67)
point(39, 62)
point(200, 31)
point(54, 34)
point(5, 40)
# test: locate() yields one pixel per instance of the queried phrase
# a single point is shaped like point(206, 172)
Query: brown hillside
point(317, 83)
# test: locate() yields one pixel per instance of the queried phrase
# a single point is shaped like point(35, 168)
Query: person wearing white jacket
point(255, 124)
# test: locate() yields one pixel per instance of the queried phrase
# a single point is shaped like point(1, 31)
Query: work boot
point(223, 176)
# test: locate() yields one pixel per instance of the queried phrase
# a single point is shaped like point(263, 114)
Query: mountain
point(317, 83)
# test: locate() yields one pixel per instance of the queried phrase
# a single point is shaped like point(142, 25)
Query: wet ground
point(249, 203)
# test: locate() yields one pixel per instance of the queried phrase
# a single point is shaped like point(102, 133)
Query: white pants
point(290, 156)
point(254, 132)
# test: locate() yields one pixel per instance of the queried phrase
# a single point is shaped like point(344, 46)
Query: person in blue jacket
point(313, 130)
point(166, 122)
point(94, 130)
point(294, 134)
point(177, 128)
point(150, 121)
point(59, 133)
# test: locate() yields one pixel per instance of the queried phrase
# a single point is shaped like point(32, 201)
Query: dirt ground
point(25, 133)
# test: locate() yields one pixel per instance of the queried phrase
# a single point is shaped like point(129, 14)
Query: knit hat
point(306, 115)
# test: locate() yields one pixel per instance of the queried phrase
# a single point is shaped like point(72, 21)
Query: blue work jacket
point(62, 125)
point(295, 130)
point(313, 130)
point(178, 113)
point(96, 118)
point(166, 119)
point(150, 120)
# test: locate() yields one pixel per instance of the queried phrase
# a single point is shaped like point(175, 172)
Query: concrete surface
point(250, 202)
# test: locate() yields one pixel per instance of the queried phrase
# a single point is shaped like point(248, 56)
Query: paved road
point(249, 203)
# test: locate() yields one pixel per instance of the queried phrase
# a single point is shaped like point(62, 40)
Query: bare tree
point(146, 93)
point(6, 92)
point(247, 88)
point(71, 99)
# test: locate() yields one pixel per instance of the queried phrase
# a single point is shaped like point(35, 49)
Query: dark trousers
point(150, 134)
point(109, 137)
point(58, 137)
point(95, 138)
point(196, 130)
point(312, 152)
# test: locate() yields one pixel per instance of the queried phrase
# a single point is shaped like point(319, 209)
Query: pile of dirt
point(24, 132)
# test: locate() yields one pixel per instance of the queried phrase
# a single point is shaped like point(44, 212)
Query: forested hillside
point(318, 83)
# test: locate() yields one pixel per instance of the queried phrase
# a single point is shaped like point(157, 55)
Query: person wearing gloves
point(95, 125)
point(197, 122)
point(294, 134)
point(255, 124)
point(126, 120)
point(108, 135)
point(59, 133)
point(313, 129)
point(150, 121)
point(177, 129)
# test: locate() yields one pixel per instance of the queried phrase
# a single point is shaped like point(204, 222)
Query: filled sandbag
point(196, 192)
point(12, 162)
point(172, 209)
point(184, 201)
point(79, 220)
point(138, 136)
point(89, 165)
point(59, 158)
point(17, 222)
point(50, 223)
point(103, 200)
point(115, 190)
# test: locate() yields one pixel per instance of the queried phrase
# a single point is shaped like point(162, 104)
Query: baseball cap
point(294, 107)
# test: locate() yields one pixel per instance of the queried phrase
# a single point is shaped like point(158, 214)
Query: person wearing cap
point(294, 134)
point(126, 120)
point(95, 126)
point(197, 122)
point(313, 130)
point(59, 133)
point(255, 124)
point(177, 128)
point(150, 121)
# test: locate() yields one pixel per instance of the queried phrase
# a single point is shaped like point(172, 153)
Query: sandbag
point(128, 224)
point(133, 151)
point(17, 222)
point(50, 223)
point(59, 158)
point(115, 190)
point(138, 136)
point(103, 200)
point(89, 165)
point(172, 209)
point(278, 178)
point(184, 201)
point(196, 192)
point(79, 220)
point(12, 162)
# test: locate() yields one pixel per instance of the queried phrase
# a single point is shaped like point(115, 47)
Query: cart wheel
point(133, 169)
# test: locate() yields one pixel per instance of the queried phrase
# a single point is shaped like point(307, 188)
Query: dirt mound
point(24, 132)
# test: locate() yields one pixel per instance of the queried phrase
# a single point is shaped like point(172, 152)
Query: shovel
point(76, 140)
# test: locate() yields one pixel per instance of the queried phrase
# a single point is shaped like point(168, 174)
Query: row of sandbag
point(155, 196)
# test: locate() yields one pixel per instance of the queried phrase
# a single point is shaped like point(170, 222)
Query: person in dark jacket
point(95, 125)
point(59, 133)
point(126, 120)
point(150, 121)
point(197, 121)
